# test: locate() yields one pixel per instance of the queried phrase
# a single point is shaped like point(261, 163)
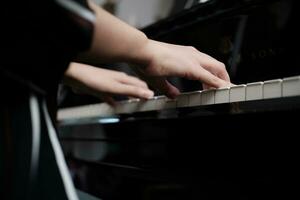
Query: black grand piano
point(244, 149)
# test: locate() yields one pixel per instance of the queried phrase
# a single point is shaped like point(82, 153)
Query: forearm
point(114, 40)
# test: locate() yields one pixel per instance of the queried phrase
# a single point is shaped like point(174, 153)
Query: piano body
point(233, 143)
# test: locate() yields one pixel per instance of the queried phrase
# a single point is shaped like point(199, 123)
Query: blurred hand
point(173, 60)
point(104, 83)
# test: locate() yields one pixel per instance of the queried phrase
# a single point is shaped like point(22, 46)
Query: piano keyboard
point(277, 88)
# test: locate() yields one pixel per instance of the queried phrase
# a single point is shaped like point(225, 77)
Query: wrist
point(138, 53)
point(73, 73)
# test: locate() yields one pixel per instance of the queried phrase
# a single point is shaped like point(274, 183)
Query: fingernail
point(227, 84)
point(148, 94)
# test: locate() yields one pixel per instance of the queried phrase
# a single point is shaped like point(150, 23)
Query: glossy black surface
point(243, 150)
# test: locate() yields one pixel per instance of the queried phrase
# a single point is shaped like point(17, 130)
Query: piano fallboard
point(247, 153)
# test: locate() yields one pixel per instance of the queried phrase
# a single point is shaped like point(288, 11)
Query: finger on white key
point(147, 105)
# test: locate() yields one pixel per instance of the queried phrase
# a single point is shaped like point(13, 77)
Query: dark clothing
point(38, 40)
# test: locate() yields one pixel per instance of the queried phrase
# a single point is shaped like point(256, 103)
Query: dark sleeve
point(40, 38)
point(77, 21)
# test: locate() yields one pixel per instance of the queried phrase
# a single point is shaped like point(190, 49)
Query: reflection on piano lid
point(271, 89)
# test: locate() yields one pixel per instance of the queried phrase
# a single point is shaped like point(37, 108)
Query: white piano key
point(102, 109)
point(254, 91)
point(182, 100)
point(160, 102)
point(208, 97)
point(222, 95)
point(291, 86)
point(88, 111)
point(272, 89)
point(127, 106)
point(170, 103)
point(194, 98)
point(147, 105)
point(237, 93)
point(268, 89)
point(64, 114)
